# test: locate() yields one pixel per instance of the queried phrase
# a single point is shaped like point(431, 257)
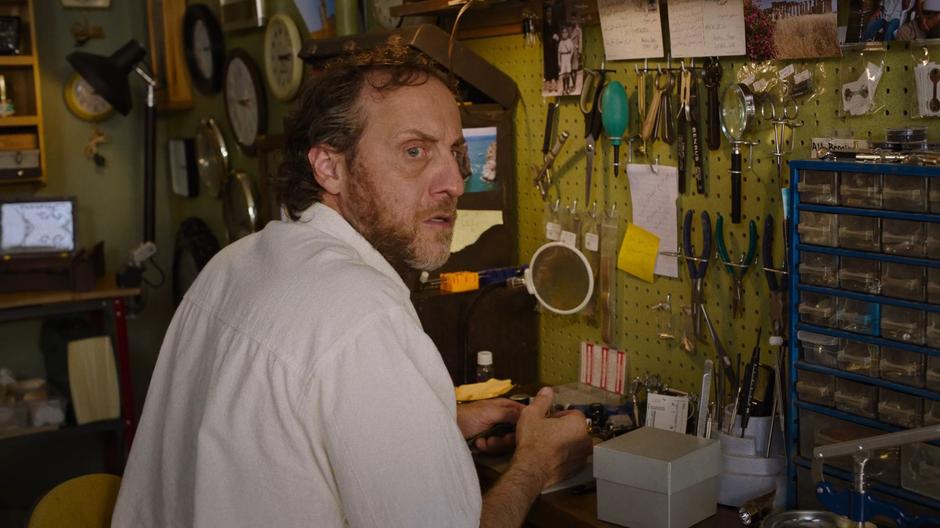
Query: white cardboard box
point(650, 478)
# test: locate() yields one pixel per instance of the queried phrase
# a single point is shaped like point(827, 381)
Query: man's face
point(402, 187)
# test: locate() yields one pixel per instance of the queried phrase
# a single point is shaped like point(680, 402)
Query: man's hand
point(554, 446)
point(475, 417)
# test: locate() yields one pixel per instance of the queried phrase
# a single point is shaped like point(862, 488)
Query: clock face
point(282, 67)
point(245, 103)
point(211, 157)
point(204, 47)
point(82, 100)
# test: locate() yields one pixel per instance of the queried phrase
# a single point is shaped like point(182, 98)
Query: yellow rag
point(481, 391)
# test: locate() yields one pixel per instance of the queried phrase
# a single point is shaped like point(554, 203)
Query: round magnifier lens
point(733, 113)
point(561, 278)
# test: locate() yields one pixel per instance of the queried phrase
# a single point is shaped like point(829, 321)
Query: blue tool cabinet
point(867, 305)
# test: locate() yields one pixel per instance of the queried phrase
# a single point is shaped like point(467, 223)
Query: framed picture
point(88, 4)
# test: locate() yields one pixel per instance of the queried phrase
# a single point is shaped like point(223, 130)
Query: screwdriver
point(750, 383)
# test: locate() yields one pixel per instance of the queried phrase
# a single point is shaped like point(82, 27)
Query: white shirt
point(296, 387)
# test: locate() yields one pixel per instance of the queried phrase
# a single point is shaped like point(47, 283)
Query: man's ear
point(328, 168)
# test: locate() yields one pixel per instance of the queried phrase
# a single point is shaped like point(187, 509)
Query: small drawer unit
point(820, 229)
point(933, 285)
point(860, 189)
point(901, 366)
point(904, 281)
point(933, 331)
point(819, 269)
point(818, 309)
point(814, 387)
point(903, 324)
point(932, 375)
point(862, 233)
point(933, 240)
point(857, 357)
point(820, 349)
point(857, 316)
point(898, 408)
point(820, 187)
point(904, 193)
point(903, 237)
point(860, 274)
point(856, 398)
point(818, 430)
point(932, 412)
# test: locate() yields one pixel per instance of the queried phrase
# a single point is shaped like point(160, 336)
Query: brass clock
point(282, 66)
point(82, 100)
point(212, 157)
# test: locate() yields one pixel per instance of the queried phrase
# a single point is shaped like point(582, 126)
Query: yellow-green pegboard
point(636, 327)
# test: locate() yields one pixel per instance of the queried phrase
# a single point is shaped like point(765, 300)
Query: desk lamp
point(109, 78)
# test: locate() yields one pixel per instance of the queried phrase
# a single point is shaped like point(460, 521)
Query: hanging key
point(663, 82)
point(712, 81)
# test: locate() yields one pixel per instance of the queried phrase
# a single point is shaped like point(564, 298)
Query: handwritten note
point(631, 29)
point(654, 196)
point(703, 28)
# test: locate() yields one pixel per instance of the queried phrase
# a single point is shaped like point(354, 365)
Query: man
point(295, 386)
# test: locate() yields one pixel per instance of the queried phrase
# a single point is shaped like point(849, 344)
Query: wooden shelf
point(17, 60)
point(17, 120)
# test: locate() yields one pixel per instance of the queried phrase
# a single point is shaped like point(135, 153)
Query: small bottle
point(484, 365)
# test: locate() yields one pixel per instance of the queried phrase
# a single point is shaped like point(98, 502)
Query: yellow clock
point(282, 66)
point(81, 100)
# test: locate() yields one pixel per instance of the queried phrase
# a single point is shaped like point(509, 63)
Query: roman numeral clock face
point(282, 67)
point(245, 104)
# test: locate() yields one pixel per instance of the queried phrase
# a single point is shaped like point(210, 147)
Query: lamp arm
point(150, 148)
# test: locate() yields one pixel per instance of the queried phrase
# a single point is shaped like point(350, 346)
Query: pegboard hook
point(613, 211)
point(593, 211)
point(574, 207)
point(556, 205)
point(655, 162)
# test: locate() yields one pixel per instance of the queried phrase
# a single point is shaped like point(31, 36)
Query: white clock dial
point(282, 67)
point(202, 48)
point(84, 102)
point(244, 100)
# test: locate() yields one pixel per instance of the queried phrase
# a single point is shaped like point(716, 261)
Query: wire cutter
point(590, 106)
point(739, 269)
point(777, 287)
point(697, 264)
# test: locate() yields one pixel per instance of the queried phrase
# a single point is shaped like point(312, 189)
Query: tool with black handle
point(549, 128)
point(750, 384)
point(696, 128)
point(712, 77)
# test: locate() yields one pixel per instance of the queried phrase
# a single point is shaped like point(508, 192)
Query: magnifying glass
point(738, 109)
point(560, 277)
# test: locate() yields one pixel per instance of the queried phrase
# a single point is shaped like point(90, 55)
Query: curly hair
point(329, 112)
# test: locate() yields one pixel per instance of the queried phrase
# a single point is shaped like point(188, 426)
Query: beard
point(396, 233)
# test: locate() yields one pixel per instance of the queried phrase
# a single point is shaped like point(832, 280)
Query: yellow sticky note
point(638, 252)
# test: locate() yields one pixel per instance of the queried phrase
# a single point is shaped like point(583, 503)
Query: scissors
point(789, 111)
point(590, 106)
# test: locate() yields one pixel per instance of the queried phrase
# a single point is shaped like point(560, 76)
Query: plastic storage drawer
point(819, 269)
point(856, 398)
point(862, 233)
point(900, 409)
point(904, 193)
point(903, 324)
point(817, 309)
point(901, 366)
point(861, 275)
point(904, 281)
point(814, 387)
point(903, 237)
point(818, 187)
point(857, 316)
point(819, 349)
point(859, 358)
point(860, 189)
point(820, 229)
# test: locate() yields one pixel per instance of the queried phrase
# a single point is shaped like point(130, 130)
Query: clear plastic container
point(856, 398)
point(859, 358)
point(933, 196)
point(901, 366)
point(814, 387)
point(933, 285)
point(857, 316)
point(902, 324)
point(900, 409)
point(819, 430)
point(933, 331)
point(818, 348)
point(933, 373)
point(820, 229)
point(933, 240)
point(931, 412)
point(904, 281)
point(904, 193)
point(861, 275)
point(903, 237)
point(860, 189)
point(819, 269)
point(817, 309)
point(860, 232)
point(920, 469)
point(818, 187)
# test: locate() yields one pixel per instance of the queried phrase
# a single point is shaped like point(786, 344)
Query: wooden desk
point(106, 297)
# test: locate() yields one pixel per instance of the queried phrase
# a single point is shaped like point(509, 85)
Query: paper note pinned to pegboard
point(703, 28)
point(631, 30)
point(654, 192)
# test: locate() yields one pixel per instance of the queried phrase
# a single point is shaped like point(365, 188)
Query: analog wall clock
point(211, 157)
point(245, 104)
point(204, 46)
point(239, 206)
point(282, 66)
point(81, 100)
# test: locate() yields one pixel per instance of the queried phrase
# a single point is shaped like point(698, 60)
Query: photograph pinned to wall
point(887, 20)
point(791, 29)
point(562, 54)
point(481, 158)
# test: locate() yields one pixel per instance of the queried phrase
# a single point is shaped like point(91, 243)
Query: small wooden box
point(24, 141)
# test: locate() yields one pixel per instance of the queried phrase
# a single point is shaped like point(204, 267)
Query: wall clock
point(81, 100)
point(382, 15)
point(204, 45)
point(245, 104)
point(282, 67)
point(239, 206)
point(211, 157)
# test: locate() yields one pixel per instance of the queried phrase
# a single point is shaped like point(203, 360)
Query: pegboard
point(636, 330)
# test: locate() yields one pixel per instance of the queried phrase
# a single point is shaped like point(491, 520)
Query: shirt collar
point(329, 221)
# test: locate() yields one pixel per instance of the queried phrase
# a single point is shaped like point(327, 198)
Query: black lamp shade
point(108, 75)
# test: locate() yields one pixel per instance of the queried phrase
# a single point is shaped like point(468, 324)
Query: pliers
point(697, 263)
point(739, 269)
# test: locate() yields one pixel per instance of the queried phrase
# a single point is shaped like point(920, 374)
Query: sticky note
point(638, 252)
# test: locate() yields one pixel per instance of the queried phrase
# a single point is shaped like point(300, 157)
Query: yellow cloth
point(638, 252)
point(480, 391)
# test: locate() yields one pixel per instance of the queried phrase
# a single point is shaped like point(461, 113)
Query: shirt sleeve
point(390, 432)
